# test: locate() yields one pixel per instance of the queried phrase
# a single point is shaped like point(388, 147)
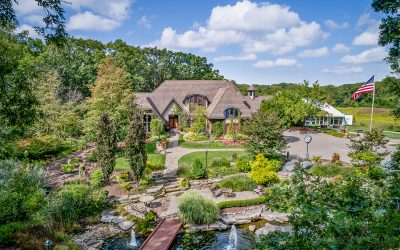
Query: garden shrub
point(332, 170)
point(234, 156)
point(43, 147)
point(316, 159)
point(376, 173)
point(238, 183)
point(277, 240)
point(92, 155)
point(242, 203)
point(217, 129)
point(220, 162)
point(8, 231)
point(192, 136)
point(184, 171)
point(280, 196)
point(263, 171)
point(183, 183)
point(196, 209)
point(243, 164)
point(21, 193)
point(96, 178)
point(73, 202)
point(198, 171)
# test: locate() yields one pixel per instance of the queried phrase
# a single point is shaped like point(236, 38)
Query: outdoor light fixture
point(47, 244)
point(307, 139)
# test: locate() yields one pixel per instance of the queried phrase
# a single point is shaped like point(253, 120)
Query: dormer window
point(231, 112)
point(196, 100)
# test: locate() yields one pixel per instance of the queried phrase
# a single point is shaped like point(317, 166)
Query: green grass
point(153, 159)
point(189, 159)
point(214, 144)
point(383, 118)
point(238, 183)
point(243, 203)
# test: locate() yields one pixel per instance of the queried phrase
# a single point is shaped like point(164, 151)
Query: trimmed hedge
point(243, 203)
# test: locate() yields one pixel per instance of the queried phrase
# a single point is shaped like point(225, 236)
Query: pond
point(231, 239)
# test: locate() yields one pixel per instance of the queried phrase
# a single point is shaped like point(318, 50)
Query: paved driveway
point(322, 144)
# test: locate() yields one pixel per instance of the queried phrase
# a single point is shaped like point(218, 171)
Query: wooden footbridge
point(163, 236)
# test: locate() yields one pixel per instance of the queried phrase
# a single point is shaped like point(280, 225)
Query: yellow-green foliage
point(263, 171)
point(383, 118)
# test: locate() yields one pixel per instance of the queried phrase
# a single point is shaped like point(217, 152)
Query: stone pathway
point(174, 153)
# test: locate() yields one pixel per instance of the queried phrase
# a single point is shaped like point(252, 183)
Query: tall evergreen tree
point(135, 149)
point(106, 145)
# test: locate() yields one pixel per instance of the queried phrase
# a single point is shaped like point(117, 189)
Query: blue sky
point(257, 42)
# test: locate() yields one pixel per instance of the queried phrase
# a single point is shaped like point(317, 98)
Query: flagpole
point(372, 109)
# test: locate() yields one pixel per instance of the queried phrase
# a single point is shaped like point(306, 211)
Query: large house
point(221, 98)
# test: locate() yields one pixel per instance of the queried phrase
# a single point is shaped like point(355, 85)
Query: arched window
point(231, 112)
point(198, 100)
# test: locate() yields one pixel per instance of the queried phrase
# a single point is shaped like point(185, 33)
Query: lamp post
point(206, 162)
point(307, 139)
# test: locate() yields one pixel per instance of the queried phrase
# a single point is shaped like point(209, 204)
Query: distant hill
point(340, 95)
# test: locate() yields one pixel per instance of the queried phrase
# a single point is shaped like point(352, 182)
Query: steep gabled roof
point(228, 98)
point(222, 94)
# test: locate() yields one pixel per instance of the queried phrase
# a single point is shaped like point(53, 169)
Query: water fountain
point(232, 239)
point(133, 242)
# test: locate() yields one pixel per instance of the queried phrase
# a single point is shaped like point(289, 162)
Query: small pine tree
point(106, 146)
point(135, 149)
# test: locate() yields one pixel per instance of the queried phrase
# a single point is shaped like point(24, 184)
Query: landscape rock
point(252, 228)
point(306, 164)
point(126, 225)
point(217, 226)
point(107, 218)
point(155, 190)
point(118, 219)
point(268, 228)
point(274, 216)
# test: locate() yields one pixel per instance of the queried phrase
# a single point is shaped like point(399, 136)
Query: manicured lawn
point(191, 157)
point(218, 144)
point(154, 159)
point(382, 120)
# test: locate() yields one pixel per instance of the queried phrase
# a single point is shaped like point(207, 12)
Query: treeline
point(46, 87)
point(340, 96)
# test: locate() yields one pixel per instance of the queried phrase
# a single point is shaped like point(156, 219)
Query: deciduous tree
point(265, 134)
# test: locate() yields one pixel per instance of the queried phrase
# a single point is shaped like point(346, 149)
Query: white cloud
point(286, 40)
point(363, 20)
point(280, 62)
point(90, 21)
point(343, 70)
point(31, 31)
point(257, 27)
point(340, 48)
point(324, 51)
point(250, 16)
point(367, 38)
point(114, 9)
point(248, 57)
point(27, 7)
point(333, 25)
point(371, 34)
point(203, 38)
point(373, 55)
point(144, 21)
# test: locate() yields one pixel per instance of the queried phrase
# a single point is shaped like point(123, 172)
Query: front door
point(173, 121)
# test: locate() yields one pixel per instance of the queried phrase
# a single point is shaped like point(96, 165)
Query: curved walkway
point(174, 153)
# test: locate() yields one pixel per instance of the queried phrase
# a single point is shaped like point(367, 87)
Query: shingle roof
point(222, 94)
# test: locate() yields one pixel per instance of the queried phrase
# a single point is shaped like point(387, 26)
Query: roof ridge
point(215, 103)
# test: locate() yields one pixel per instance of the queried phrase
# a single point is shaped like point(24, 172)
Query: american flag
point(368, 87)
